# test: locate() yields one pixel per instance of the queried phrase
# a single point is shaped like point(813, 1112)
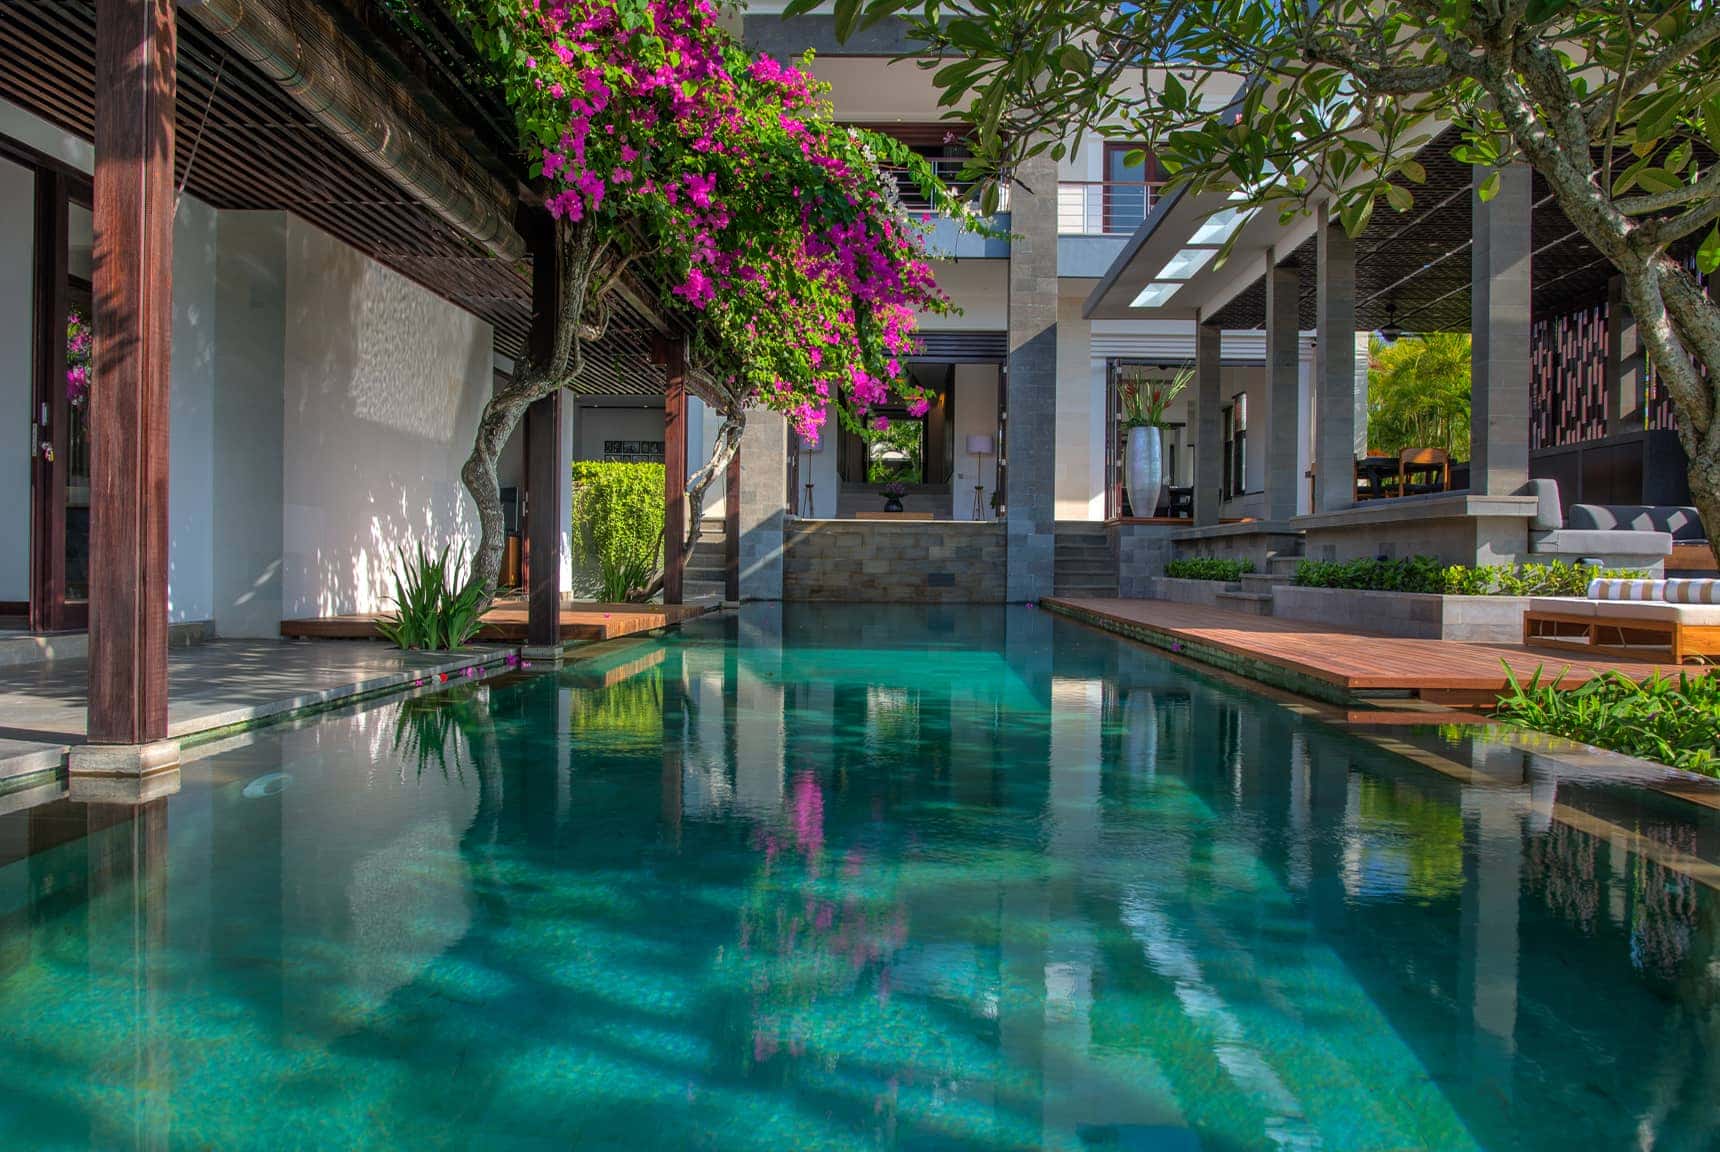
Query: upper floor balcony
point(1095, 219)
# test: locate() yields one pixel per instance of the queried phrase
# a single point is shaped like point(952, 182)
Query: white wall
point(250, 359)
point(599, 423)
point(976, 415)
point(1080, 425)
point(17, 247)
point(819, 466)
point(191, 428)
point(384, 384)
point(980, 288)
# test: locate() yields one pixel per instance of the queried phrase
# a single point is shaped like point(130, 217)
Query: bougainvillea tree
point(667, 155)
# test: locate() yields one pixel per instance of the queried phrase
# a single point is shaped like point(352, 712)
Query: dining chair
point(1417, 466)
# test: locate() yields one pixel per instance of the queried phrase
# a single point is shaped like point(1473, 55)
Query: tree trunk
point(501, 415)
point(727, 444)
point(1681, 328)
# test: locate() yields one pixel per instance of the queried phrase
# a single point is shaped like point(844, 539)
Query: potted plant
point(893, 493)
point(1144, 404)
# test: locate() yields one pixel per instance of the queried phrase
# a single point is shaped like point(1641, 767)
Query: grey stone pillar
point(1031, 383)
point(1625, 365)
point(1208, 452)
point(1336, 388)
point(1283, 388)
point(1499, 322)
point(763, 500)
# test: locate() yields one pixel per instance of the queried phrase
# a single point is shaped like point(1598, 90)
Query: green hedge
point(1208, 568)
point(1426, 574)
point(618, 521)
point(1675, 722)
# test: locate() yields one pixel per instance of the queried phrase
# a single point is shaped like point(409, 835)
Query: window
point(1235, 435)
point(1130, 189)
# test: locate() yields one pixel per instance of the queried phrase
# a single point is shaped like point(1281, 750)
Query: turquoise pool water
point(859, 878)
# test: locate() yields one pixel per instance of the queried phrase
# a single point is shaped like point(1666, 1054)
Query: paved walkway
point(213, 685)
point(1338, 664)
point(506, 622)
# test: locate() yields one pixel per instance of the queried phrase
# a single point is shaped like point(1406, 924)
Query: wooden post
point(134, 86)
point(547, 474)
point(674, 468)
point(732, 531)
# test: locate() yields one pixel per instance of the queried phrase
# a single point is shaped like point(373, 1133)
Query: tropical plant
point(1615, 104)
point(1145, 399)
point(1418, 393)
point(897, 438)
point(1426, 574)
point(618, 517)
point(436, 607)
point(1674, 722)
point(1208, 568)
point(666, 154)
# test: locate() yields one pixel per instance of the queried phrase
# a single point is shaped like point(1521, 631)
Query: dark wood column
point(548, 477)
point(732, 531)
point(134, 85)
point(674, 467)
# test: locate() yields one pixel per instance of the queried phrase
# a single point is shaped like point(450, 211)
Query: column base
point(122, 773)
point(544, 653)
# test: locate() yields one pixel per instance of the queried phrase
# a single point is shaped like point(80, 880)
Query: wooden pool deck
point(1338, 665)
point(506, 622)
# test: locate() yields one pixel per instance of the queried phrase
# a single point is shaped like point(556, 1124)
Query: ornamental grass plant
point(1671, 721)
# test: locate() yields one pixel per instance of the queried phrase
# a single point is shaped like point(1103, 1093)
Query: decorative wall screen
point(633, 451)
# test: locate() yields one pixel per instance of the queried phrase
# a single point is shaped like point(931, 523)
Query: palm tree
point(1418, 393)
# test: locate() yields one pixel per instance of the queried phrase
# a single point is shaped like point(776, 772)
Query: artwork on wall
point(633, 451)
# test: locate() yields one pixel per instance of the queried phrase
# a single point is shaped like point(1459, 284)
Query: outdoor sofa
point(1675, 620)
point(1611, 536)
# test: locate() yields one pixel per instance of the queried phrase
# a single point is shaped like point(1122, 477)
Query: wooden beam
point(732, 531)
point(547, 474)
point(674, 469)
point(135, 59)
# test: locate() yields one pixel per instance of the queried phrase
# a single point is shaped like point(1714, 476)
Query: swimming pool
point(859, 878)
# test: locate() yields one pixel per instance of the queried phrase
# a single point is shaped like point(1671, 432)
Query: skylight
point(1155, 294)
point(1186, 263)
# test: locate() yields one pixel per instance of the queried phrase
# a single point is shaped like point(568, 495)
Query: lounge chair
point(1674, 620)
point(1600, 534)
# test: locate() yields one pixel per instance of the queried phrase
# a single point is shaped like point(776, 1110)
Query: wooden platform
point(1334, 664)
point(506, 622)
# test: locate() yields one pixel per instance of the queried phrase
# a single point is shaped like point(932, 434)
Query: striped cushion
point(1692, 592)
point(1626, 589)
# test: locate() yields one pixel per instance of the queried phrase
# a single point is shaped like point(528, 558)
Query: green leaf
point(1708, 256)
point(1399, 197)
point(1175, 96)
point(847, 11)
point(1658, 180)
point(1073, 59)
point(1413, 171)
point(1489, 187)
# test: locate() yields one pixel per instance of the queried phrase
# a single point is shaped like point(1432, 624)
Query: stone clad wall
point(916, 562)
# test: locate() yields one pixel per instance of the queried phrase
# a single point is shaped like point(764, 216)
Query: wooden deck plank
point(506, 622)
point(1355, 661)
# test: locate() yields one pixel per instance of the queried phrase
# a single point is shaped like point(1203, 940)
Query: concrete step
point(1083, 546)
point(1101, 567)
point(1263, 581)
point(1253, 603)
point(1095, 591)
point(1284, 565)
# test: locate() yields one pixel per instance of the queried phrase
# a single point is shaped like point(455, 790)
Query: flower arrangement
point(80, 340)
point(1145, 401)
point(895, 489)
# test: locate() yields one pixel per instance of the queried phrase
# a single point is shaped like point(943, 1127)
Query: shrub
point(1675, 722)
point(434, 609)
point(1426, 574)
point(618, 522)
point(1208, 568)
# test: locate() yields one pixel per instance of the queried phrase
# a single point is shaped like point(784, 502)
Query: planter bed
point(1183, 591)
point(1421, 615)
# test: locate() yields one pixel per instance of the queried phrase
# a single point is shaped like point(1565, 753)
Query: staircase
point(1086, 565)
point(1254, 593)
point(708, 566)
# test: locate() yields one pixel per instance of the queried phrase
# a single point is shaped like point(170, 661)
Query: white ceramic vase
point(1144, 470)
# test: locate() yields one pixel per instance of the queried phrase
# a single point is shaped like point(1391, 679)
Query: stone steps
point(1253, 603)
point(1084, 563)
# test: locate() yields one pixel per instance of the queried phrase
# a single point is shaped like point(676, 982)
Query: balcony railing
point(1103, 208)
point(948, 169)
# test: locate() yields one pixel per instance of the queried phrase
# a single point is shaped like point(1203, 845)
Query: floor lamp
point(808, 449)
point(979, 447)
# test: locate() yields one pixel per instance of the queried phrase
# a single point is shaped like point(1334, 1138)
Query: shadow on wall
point(384, 386)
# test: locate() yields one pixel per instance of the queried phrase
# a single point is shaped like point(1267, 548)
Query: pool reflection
point(924, 878)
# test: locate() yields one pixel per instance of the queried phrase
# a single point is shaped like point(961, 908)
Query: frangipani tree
point(1615, 102)
point(666, 154)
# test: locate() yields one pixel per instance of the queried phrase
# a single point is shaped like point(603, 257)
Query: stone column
point(1335, 385)
point(763, 484)
point(1208, 452)
point(1625, 365)
point(1031, 383)
point(1499, 322)
point(1283, 399)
